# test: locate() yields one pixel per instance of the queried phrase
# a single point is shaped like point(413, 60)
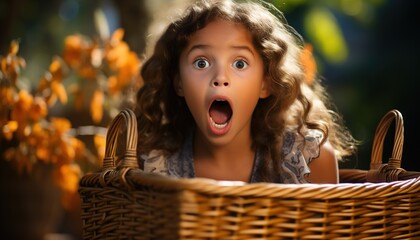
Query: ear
point(178, 87)
point(265, 90)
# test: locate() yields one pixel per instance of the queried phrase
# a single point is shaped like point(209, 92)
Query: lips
point(220, 114)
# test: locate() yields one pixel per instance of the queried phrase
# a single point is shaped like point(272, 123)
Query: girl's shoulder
point(154, 162)
point(307, 142)
point(298, 152)
point(178, 164)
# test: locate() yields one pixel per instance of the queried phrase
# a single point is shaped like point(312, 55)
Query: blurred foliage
point(107, 76)
point(321, 26)
point(367, 54)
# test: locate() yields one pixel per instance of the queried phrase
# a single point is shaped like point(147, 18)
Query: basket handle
point(394, 163)
point(128, 117)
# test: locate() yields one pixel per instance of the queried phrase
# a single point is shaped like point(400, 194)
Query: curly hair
point(164, 118)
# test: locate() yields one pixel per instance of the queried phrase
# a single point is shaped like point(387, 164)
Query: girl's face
point(221, 78)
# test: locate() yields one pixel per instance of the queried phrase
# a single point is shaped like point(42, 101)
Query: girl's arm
point(324, 169)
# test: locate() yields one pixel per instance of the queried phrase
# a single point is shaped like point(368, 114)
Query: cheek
point(194, 94)
point(192, 84)
point(248, 95)
point(247, 102)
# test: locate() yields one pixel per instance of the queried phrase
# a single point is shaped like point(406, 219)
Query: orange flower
point(78, 55)
point(100, 144)
point(6, 96)
point(14, 48)
point(113, 85)
point(74, 46)
point(88, 72)
point(50, 85)
point(39, 139)
point(19, 113)
point(60, 125)
point(38, 109)
point(24, 101)
point(78, 146)
point(65, 151)
point(116, 37)
point(96, 105)
point(124, 62)
point(58, 69)
point(9, 129)
point(59, 91)
point(308, 62)
point(12, 64)
point(43, 153)
point(126, 73)
point(116, 55)
point(67, 178)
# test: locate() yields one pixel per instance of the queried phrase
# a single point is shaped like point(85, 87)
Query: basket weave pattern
point(122, 202)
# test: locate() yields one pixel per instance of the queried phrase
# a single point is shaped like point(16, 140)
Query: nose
point(217, 83)
point(220, 80)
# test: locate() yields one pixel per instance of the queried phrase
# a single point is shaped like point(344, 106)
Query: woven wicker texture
point(122, 202)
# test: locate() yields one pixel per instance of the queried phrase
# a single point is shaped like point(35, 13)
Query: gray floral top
point(299, 152)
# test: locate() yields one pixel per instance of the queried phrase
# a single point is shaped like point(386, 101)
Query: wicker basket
point(122, 202)
point(378, 171)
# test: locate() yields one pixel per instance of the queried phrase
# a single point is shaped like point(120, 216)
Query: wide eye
point(201, 63)
point(240, 64)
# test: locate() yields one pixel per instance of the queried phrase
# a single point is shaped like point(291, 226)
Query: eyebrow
point(198, 46)
point(204, 46)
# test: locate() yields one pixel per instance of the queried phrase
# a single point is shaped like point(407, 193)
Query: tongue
point(220, 113)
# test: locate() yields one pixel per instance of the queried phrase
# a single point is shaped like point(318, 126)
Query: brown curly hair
point(164, 118)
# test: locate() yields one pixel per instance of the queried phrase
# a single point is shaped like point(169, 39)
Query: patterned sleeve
point(299, 151)
point(154, 162)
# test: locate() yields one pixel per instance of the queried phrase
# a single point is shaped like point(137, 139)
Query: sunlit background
point(366, 51)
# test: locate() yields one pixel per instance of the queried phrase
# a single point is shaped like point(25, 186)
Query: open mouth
point(220, 113)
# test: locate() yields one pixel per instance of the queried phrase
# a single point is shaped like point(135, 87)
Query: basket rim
point(134, 178)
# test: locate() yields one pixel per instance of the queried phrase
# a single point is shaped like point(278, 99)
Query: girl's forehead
point(220, 36)
point(221, 28)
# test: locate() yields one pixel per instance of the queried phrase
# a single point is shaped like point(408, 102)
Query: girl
point(224, 98)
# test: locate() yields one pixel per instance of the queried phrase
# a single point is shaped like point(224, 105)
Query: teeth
point(219, 126)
